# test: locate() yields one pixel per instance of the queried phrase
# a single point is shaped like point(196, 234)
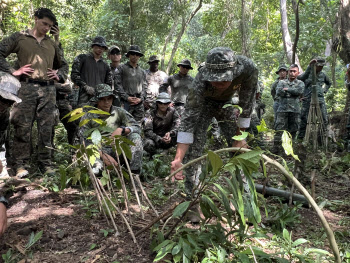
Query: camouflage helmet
point(113, 48)
point(102, 90)
point(185, 63)
point(219, 64)
point(153, 58)
point(320, 61)
point(163, 97)
point(283, 66)
point(9, 87)
point(99, 41)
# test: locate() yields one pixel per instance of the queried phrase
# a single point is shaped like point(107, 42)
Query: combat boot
point(21, 172)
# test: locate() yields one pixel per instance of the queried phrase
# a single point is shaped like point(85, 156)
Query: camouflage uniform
point(119, 118)
point(323, 84)
point(273, 93)
point(38, 94)
point(288, 112)
point(154, 80)
point(205, 102)
point(258, 110)
point(9, 87)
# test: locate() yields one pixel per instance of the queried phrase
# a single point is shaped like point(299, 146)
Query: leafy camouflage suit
point(38, 94)
point(323, 84)
point(288, 112)
point(118, 118)
point(205, 102)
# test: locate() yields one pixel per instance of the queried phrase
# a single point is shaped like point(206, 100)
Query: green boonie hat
point(134, 49)
point(163, 97)
point(102, 90)
point(153, 58)
point(282, 67)
point(9, 87)
point(112, 48)
point(219, 64)
point(320, 61)
point(99, 41)
point(185, 63)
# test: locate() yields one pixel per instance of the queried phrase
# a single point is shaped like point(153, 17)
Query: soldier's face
point(115, 57)
point(163, 106)
point(221, 85)
point(134, 57)
point(97, 50)
point(282, 73)
point(105, 103)
point(153, 66)
point(43, 25)
point(293, 73)
point(184, 70)
point(319, 68)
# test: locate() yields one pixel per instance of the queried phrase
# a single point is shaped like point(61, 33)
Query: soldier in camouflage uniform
point(214, 86)
point(323, 84)
point(121, 122)
point(155, 78)
point(9, 87)
point(37, 54)
point(161, 126)
point(282, 74)
point(347, 84)
point(115, 57)
point(178, 85)
point(258, 110)
point(131, 84)
point(288, 113)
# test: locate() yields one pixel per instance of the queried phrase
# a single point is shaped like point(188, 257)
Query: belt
point(40, 82)
point(179, 104)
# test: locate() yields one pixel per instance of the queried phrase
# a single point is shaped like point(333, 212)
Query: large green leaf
point(99, 112)
point(181, 208)
point(287, 145)
point(262, 127)
point(96, 137)
point(75, 117)
point(215, 161)
point(225, 201)
point(241, 137)
point(212, 206)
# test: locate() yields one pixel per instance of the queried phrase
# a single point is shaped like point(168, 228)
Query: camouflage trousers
point(38, 103)
point(305, 114)
point(136, 151)
point(137, 111)
point(276, 104)
point(288, 121)
point(151, 146)
point(180, 110)
point(227, 122)
point(64, 108)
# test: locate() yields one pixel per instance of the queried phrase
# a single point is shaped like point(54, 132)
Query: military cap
point(219, 64)
point(9, 87)
point(282, 67)
point(134, 49)
point(112, 48)
point(185, 63)
point(99, 41)
point(153, 58)
point(102, 90)
point(320, 61)
point(163, 97)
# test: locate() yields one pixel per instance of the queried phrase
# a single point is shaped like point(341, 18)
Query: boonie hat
point(185, 63)
point(320, 61)
point(219, 64)
point(99, 41)
point(163, 97)
point(112, 48)
point(102, 90)
point(281, 67)
point(9, 87)
point(134, 49)
point(153, 58)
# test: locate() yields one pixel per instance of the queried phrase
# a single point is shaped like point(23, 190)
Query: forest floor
point(75, 231)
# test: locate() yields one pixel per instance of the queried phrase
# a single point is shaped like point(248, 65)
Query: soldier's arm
point(279, 89)
point(273, 89)
point(306, 74)
point(176, 124)
point(328, 83)
point(109, 75)
point(129, 122)
point(76, 68)
point(144, 86)
point(296, 90)
point(8, 46)
point(119, 84)
point(164, 87)
point(63, 66)
point(148, 130)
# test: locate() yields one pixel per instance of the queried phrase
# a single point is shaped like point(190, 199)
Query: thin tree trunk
point(244, 31)
point(297, 29)
point(182, 31)
point(344, 12)
point(167, 40)
point(287, 42)
point(131, 22)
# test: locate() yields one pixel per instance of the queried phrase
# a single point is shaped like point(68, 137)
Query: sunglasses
point(115, 53)
point(161, 103)
point(134, 54)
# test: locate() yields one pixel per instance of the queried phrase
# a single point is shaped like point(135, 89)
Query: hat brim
point(151, 61)
point(163, 100)
point(99, 44)
point(184, 65)
point(320, 64)
point(278, 71)
point(217, 74)
point(132, 51)
point(9, 96)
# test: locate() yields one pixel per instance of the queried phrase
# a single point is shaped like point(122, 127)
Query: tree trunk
point(287, 42)
point(167, 40)
point(297, 29)
point(182, 31)
point(244, 31)
point(344, 12)
point(131, 23)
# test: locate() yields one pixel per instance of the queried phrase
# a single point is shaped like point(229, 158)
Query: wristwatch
point(4, 201)
point(123, 131)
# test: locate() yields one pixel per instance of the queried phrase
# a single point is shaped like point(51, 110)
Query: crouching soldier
point(161, 127)
point(120, 121)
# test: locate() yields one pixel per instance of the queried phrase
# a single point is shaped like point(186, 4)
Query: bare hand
point(285, 88)
point(118, 131)
point(166, 138)
point(52, 74)
point(109, 160)
point(240, 144)
point(25, 70)
point(56, 33)
point(90, 90)
point(3, 218)
point(176, 164)
point(132, 100)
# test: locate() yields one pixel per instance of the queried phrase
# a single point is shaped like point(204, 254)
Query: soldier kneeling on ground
point(161, 126)
point(121, 122)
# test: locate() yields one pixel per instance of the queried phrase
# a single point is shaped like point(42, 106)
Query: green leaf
point(257, 252)
point(215, 161)
point(93, 246)
point(83, 122)
point(317, 251)
point(163, 244)
point(96, 137)
point(233, 106)
point(287, 145)
point(241, 137)
point(73, 112)
point(181, 208)
point(176, 249)
point(99, 121)
point(212, 206)
point(187, 250)
point(33, 239)
point(99, 112)
point(225, 201)
point(205, 209)
point(75, 117)
point(127, 150)
point(286, 235)
point(262, 127)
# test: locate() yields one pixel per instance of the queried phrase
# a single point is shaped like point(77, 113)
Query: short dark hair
point(294, 66)
point(42, 12)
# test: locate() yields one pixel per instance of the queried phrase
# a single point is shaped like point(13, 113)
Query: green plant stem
point(289, 175)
